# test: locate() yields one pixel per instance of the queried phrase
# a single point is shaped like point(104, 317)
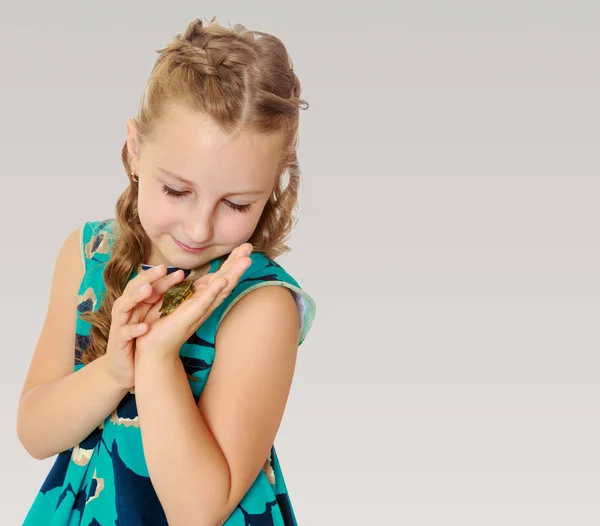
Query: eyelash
point(174, 193)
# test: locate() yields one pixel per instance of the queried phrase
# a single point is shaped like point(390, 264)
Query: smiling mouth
point(188, 248)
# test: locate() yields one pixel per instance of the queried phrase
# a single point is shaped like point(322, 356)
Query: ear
point(132, 145)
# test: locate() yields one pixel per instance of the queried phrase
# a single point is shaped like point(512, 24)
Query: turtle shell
point(175, 296)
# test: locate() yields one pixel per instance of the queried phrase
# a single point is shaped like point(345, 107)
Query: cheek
point(154, 210)
point(237, 227)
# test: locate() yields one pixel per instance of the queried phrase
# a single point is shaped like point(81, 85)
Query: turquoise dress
point(104, 480)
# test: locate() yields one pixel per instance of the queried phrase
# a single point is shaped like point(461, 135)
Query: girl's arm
point(59, 408)
point(203, 458)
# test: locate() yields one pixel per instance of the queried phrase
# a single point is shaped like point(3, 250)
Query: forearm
point(55, 416)
point(187, 468)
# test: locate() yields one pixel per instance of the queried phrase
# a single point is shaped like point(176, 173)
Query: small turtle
point(176, 295)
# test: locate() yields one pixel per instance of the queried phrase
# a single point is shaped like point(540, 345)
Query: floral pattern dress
point(104, 480)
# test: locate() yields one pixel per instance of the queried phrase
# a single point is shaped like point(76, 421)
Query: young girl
point(167, 411)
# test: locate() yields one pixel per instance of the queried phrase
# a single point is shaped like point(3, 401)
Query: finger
point(156, 284)
point(235, 272)
point(234, 275)
point(243, 250)
point(129, 332)
point(153, 313)
point(136, 290)
point(209, 300)
point(158, 291)
point(163, 284)
point(227, 263)
point(148, 276)
point(124, 305)
point(197, 308)
point(240, 266)
point(238, 261)
point(247, 249)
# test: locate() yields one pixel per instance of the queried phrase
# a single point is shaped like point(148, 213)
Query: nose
point(198, 228)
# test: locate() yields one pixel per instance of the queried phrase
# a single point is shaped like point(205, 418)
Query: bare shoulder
point(271, 306)
point(53, 355)
point(266, 314)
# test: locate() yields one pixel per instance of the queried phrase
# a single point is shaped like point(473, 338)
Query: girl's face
point(199, 187)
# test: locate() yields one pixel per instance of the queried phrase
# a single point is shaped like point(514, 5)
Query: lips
point(188, 248)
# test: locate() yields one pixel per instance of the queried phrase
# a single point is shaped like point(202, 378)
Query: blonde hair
point(239, 78)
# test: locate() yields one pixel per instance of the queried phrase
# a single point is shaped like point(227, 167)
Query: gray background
point(449, 234)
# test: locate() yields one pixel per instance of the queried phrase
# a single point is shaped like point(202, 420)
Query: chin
point(169, 253)
point(187, 261)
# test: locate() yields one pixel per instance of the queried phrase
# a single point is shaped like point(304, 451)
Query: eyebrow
point(185, 181)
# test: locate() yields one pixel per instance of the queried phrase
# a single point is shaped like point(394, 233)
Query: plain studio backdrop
point(448, 232)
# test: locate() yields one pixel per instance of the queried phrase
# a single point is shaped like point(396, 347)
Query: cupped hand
point(167, 334)
point(127, 321)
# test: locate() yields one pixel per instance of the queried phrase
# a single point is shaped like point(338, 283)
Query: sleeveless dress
point(104, 480)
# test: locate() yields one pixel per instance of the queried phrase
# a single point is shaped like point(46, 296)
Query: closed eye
point(234, 206)
point(174, 193)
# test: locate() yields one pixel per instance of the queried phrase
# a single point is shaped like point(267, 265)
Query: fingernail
point(159, 268)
